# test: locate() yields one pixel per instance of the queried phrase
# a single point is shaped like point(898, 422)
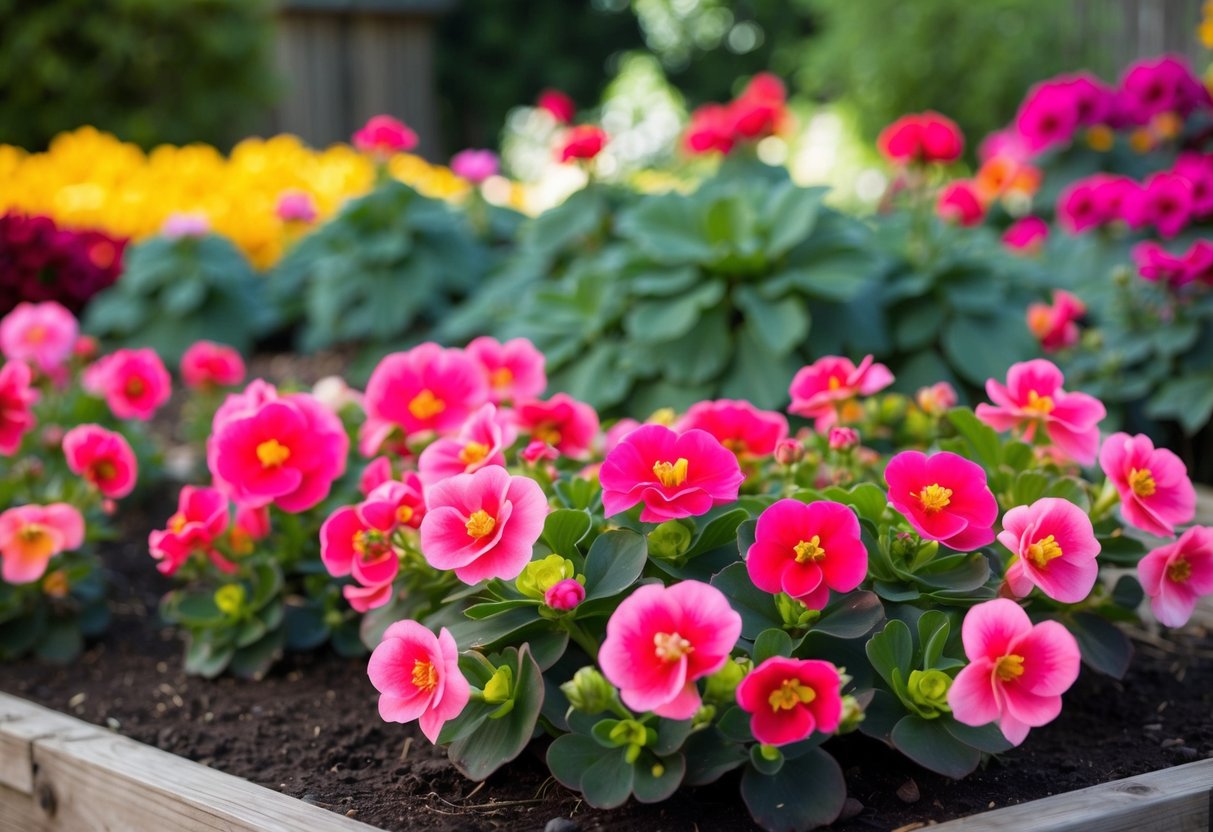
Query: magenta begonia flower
point(1056, 325)
point(202, 516)
point(960, 202)
point(661, 639)
point(40, 334)
point(358, 543)
point(1155, 492)
point(207, 365)
point(296, 206)
point(383, 135)
point(1026, 235)
point(1017, 672)
point(1055, 549)
point(826, 389)
point(103, 458)
point(789, 699)
point(807, 550)
point(514, 370)
point(566, 424)
point(1176, 575)
point(483, 525)
point(401, 502)
point(674, 475)
point(738, 425)
point(944, 497)
point(17, 399)
point(482, 441)
point(417, 676)
point(134, 383)
point(1032, 397)
point(1164, 202)
point(31, 535)
point(475, 165)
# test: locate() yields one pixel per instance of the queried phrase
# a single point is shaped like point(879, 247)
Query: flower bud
point(589, 691)
point(843, 439)
point(565, 594)
point(789, 452)
point(541, 575)
point(670, 540)
point(722, 685)
point(498, 688)
point(55, 584)
point(794, 613)
point(537, 451)
point(936, 399)
point(703, 717)
point(852, 714)
point(929, 690)
point(85, 348)
point(230, 598)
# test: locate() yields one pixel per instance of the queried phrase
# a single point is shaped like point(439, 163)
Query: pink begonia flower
point(426, 389)
point(1164, 202)
point(251, 524)
point(843, 439)
point(761, 108)
point(207, 365)
point(583, 143)
point(1197, 169)
point(1032, 398)
point(31, 535)
point(400, 501)
point(921, 138)
point(1077, 208)
point(376, 473)
point(40, 334)
point(1165, 84)
point(960, 203)
point(738, 425)
point(383, 135)
point(296, 206)
point(565, 594)
point(475, 165)
point(17, 399)
point(417, 675)
point(1176, 575)
point(483, 525)
point(566, 424)
point(514, 370)
point(1157, 265)
point(661, 639)
point(85, 348)
point(675, 475)
point(1055, 325)
point(181, 224)
point(103, 458)
point(1026, 235)
point(352, 543)
point(825, 390)
point(1017, 672)
point(937, 399)
point(789, 699)
point(537, 451)
point(482, 441)
point(710, 130)
point(1047, 116)
point(134, 383)
point(1110, 194)
point(807, 550)
point(201, 518)
point(558, 105)
point(616, 432)
point(1155, 492)
point(944, 497)
point(285, 450)
point(1054, 547)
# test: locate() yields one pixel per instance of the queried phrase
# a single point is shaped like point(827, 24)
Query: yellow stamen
point(425, 675)
point(404, 514)
point(177, 522)
point(547, 432)
point(662, 416)
point(737, 446)
point(35, 334)
point(272, 453)
point(671, 475)
point(1179, 571)
point(1038, 404)
point(809, 550)
point(35, 542)
point(473, 452)
point(1141, 480)
point(934, 497)
point(55, 584)
point(791, 693)
point(134, 388)
point(501, 377)
point(670, 647)
point(425, 405)
point(835, 383)
point(1009, 667)
point(1043, 551)
point(101, 472)
point(481, 524)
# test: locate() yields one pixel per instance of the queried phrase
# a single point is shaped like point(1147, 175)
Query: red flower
point(559, 105)
point(585, 141)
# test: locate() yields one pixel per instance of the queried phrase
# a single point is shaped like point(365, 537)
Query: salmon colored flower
point(482, 441)
point(1054, 547)
point(826, 389)
point(1017, 672)
point(40, 334)
point(1155, 492)
point(1055, 325)
point(738, 425)
point(660, 640)
point(583, 142)
point(566, 424)
point(1176, 575)
point(789, 699)
point(207, 365)
point(1032, 398)
point(944, 497)
point(201, 519)
point(383, 135)
point(417, 676)
point(514, 370)
point(31, 535)
point(937, 399)
point(134, 383)
point(17, 399)
point(483, 525)
point(807, 550)
point(675, 475)
point(103, 458)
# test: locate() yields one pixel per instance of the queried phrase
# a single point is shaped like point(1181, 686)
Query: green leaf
point(305, 626)
point(1121, 550)
point(487, 633)
point(1188, 400)
point(497, 741)
point(709, 756)
point(981, 348)
point(892, 649)
point(928, 743)
point(808, 792)
point(853, 616)
point(933, 629)
point(770, 643)
point(756, 608)
point(564, 528)
point(651, 787)
point(981, 437)
point(789, 216)
point(205, 659)
point(607, 783)
point(1127, 592)
point(614, 563)
point(868, 499)
point(659, 321)
point(986, 738)
point(721, 531)
point(1105, 648)
point(60, 643)
point(570, 756)
point(782, 325)
point(255, 660)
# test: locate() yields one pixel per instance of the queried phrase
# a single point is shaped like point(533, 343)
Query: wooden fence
point(1109, 34)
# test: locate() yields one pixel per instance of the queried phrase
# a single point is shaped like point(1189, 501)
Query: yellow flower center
point(404, 514)
point(809, 550)
point(134, 388)
point(473, 452)
point(934, 497)
point(1179, 570)
point(662, 416)
point(1009, 667)
point(835, 383)
point(671, 475)
point(35, 541)
point(425, 675)
point(1043, 551)
point(481, 524)
point(35, 334)
point(1141, 480)
point(272, 453)
point(547, 432)
point(1100, 138)
point(177, 522)
point(791, 693)
point(670, 647)
point(737, 446)
point(101, 472)
point(425, 405)
point(1038, 404)
point(501, 377)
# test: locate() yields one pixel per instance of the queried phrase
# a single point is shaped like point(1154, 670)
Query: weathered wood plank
point(17, 811)
point(21, 724)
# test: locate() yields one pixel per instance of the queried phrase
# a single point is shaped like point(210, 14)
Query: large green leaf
point(928, 743)
point(614, 563)
point(499, 740)
point(806, 793)
point(756, 608)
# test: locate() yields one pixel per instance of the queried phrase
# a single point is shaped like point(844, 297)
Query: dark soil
point(311, 730)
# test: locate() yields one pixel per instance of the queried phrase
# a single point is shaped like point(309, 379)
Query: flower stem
point(583, 639)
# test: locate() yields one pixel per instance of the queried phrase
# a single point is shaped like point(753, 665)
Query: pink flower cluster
point(922, 138)
point(134, 383)
point(1055, 325)
point(1166, 201)
point(17, 400)
point(40, 334)
point(1033, 399)
point(1157, 265)
point(760, 110)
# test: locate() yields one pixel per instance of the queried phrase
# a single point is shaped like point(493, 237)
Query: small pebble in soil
point(561, 825)
point(907, 792)
point(1171, 743)
point(850, 808)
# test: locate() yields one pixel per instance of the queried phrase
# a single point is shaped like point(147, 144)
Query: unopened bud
point(789, 451)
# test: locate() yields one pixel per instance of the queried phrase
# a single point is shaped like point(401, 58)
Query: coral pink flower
point(40, 334)
point(401, 502)
point(585, 141)
point(661, 639)
point(286, 451)
point(710, 130)
point(296, 206)
point(134, 383)
point(483, 525)
point(514, 370)
point(825, 389)
point(1055, 549)
point(1026, 235)
point(738, 425)
point(807, 550)
point(481, 442)
point(353, 543)
point(564, 595)
point(475, 165)
point(1176, 575)
point(425, 389)
point(31, 535)
point(789, 699)
point(944, 497)
point(928, 137)
point(1032, 397)
point(566, 424)
point(17, 400)
point(960, 203)
point(558, 105)
point(103, 458)
point(417, 675)
point(383, 135)
point(760, 109)
point(674, 475)
point(1017, 672)
point(376, 472)
point(202, 516)
point(937, 399)
point(1055, 325)
point(1155, 492)
point(207, 365)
